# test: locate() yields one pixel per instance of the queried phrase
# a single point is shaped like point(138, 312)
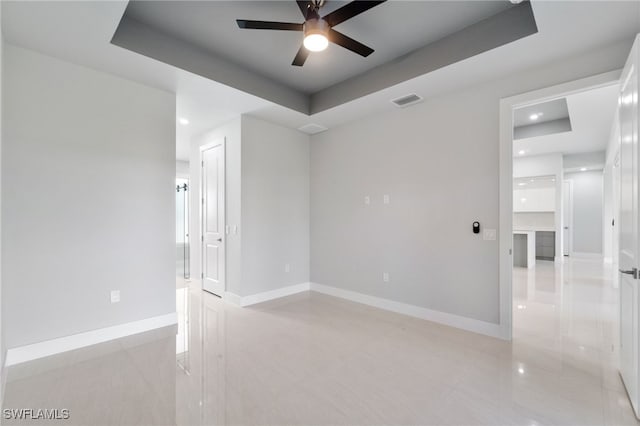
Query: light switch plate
point(367, 200)
point(385, 277)
point(385, 198)
point(115, 296)
point(287, 268)
point(489, 234)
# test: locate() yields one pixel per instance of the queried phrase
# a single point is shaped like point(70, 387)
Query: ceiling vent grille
point(405, 101)
point(312, 128)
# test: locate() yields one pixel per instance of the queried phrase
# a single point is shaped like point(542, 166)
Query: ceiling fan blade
point(301, 57)
point(349, 43)
point(267, 25)
point(349, 10)
point(304, 7)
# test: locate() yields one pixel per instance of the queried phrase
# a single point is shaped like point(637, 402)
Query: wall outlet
point(385, 199)
point(367, 200)
point(489, 235)
point(385, 277)
point(115, 296)
point(287, 268)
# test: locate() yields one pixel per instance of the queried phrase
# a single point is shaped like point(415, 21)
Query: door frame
point(506, 177)
point(223, 142)
point(569, 223)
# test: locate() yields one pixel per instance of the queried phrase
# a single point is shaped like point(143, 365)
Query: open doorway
point(564, 149)
point(564, 185)
point(182, 229)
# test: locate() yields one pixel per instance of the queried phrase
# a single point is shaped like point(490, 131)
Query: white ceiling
point(80, 32)
point(592, 113)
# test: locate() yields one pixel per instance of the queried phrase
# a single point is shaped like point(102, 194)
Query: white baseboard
point(63, 344)
point(3, 381)
point(274, 294)
point(232, 298)
point(469, 324)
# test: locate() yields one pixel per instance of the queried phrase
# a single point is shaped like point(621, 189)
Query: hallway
point(566, 325)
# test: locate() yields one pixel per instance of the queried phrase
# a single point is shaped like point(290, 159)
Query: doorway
point(182, 229)
point(571, 308)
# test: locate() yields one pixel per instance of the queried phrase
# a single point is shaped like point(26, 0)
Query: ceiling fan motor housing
point(316, 26)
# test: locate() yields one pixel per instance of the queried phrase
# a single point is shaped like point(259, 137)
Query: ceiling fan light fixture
point(316, 35)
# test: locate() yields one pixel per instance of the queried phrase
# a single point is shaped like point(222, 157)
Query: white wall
point(587, 198)
point(611, 176)
point(182, 169)
point(88, 199)
point(534, 200)
point(537, 165)
point(441, 176)
point(542, 221)
point(590, 160)
point(275, 206)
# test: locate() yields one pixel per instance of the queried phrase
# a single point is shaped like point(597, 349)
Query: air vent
point(312, 128)
point(405, 101)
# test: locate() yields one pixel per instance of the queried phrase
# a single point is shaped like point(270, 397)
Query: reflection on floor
point(314, 359)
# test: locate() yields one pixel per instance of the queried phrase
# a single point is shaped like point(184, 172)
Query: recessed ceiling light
point(183, 121)
point(532, 180)
point(583, 169)
point(521, 370)
point(521, 184)
point(534, 117)
point(523, 200)
point(522, 152)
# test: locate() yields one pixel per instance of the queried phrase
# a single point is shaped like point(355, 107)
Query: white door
point(566, 217)
point(213, 222)
point(628, 251)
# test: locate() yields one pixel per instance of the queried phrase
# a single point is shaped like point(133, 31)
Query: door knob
point(633, 272)
point(219, 240)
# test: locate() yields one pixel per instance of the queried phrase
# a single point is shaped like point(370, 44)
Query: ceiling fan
point(318, 31)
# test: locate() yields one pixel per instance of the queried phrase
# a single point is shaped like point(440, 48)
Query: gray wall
point(541, 129)
point(267, 200)
point(275, 206)
point(2, 323)
point(88, 169)
point(587, 211)
point(438, 161)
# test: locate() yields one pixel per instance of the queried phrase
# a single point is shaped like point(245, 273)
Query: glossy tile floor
point(313, 359)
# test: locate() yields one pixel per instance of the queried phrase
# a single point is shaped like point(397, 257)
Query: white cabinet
point(534, 200)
